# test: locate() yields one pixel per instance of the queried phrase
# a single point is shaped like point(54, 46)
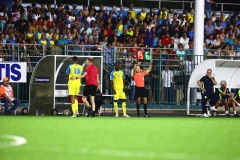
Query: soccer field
point(108, 138)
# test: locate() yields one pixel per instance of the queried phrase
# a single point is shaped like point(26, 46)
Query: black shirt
point(221, 96)
point(207, 83)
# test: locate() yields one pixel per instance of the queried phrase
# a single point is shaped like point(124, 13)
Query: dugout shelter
point(228, 70)
point(48, 84)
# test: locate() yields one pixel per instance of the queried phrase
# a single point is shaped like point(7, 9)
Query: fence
point(190, 4)
point(161, 89)
point(183, 3)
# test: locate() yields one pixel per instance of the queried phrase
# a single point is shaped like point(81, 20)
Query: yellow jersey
point(117, 78)
point(74, 70)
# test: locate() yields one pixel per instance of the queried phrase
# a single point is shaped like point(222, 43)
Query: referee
point(92, 84)
point(141, 91)
point(206, 84)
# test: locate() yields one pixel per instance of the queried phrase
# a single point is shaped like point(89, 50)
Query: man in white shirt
point(176, 40)
point(175, 20)
point(10, 94)
point(90, 17)
point(184, 40)
point(168, 82)
point(210, 40)
point(51, 14)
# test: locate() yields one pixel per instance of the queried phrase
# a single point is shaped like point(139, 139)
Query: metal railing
point(183, 2)
point(153, 82)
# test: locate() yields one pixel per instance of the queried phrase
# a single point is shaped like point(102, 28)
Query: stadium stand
point(29, 33)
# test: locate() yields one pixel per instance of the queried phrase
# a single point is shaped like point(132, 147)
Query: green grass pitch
point(109, 138)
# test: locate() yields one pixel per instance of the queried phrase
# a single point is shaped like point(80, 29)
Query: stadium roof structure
point(228, 70)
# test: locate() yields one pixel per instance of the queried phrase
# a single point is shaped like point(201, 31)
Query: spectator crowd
point(39, 28)
point(53, 28)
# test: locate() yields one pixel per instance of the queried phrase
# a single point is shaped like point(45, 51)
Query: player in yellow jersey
point(73, 72)
point(118, 86)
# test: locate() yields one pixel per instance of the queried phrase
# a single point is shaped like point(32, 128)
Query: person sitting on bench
point(224, 97)
point(8, 96)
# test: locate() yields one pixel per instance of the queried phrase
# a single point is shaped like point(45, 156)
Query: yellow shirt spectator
point(133, 13)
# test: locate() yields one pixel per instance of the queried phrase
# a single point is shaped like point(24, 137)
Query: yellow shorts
point(73, 88)
point(119, 94)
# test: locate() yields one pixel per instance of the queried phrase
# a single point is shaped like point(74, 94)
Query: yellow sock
point(124, 108)
point(115, 105)
point(76, 106)
point(73, 108)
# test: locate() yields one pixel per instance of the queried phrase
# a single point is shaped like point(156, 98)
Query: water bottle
point(37, 113)
point(106, 92)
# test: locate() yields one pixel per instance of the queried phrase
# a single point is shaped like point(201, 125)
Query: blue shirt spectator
point(155, 40)
point(11, 40)
point(114, 12)
point(160, 21)
point(122, 13)
point(189, 52)
point(229, 40)
point(69, 40)
point(108, 55)
point(180, 52)
point(2, 24)
point(190, 35)
point(61, 40)
point(223, 24)
point(87, 29)
point(237, 46)
point(75, 10)
point(148, 40)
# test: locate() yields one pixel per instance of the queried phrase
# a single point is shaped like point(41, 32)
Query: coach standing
point(92, 84)
point(206, 84)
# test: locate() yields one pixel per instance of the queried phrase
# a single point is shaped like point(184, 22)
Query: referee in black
point(206, 84)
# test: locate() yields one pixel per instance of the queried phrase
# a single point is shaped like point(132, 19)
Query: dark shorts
point(141, 92)
point(89, 90)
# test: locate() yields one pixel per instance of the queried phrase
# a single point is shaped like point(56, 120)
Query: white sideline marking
point(15, 141)
point(125, 153)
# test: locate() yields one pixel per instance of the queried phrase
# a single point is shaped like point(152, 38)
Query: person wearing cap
point(8, 95)
point(229, 39)
point(91, 73)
